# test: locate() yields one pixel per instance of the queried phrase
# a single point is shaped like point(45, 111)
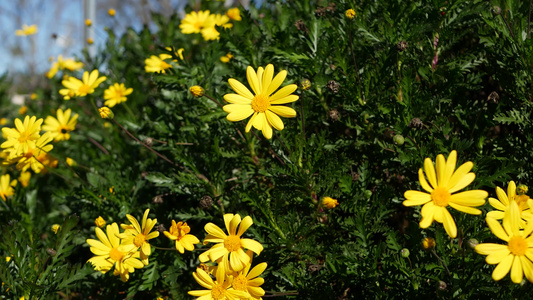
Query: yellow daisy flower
point(116, 94)
point(329, 202)
point(85, 86)
point(505, 200)
point(23, 136)
point(36, 157)
point(156, 64)
point(179, 232)
point(517, 255)
point(109, 253)
point(194, 22)
point(229, 249)
point(249, 281)
point(6, 190)
point(216, 290)
point(26, 30)
point(440, 189)
point(264, 105)
point(24, 178)
point(234, 14)
point(136, 236)
point(61, 127)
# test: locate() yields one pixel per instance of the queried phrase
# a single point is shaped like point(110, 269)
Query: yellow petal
point(214, 230)
point(283, 92)
point(497, 256)
point(267, 130)
point(449, 167)
point(527, 266)
point(233, 224)
point(267, 77)
point(465, 209)
point(495, 214)
point(283, 111)
point(449, 223)
point(259, 121)
point(489, 248)
point(284, 100)
point(497, 229)
point(245, 224)
point(238, 112)
point(441, 168)
point(252, 80)
point(240, 89)
point(237, 99)
point(250, 244)
point(516, 271)
point(463, 182)
point(502, 268)
point(511, 190)
point(276, 82)
point(502, 196)
point(496, 204)
point(514, 217)
point(429, 169)
point(459, 174)
point(414, 198)
point(250, 122)
point(470, 198)
point(423, 182)
point(427, 212)
point(274, 120)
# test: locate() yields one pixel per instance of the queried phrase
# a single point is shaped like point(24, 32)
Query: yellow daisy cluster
point(26, 147)
point(127, 250)
point(513, 208)
point(233, 277)
point(63, 64)
point(26, 30)
point(205, 23)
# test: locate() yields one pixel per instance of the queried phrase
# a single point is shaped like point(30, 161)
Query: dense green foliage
point(378, 105)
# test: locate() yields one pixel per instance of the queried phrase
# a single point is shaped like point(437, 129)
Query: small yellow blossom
point(23, 136)
point(136, 236)
point(196, 91)
point(329, 202)
point(71, 162)
point(156, 64)
point(23, 110)
point(27, 30)
point(116, 94)
point(24, 178)
point(350, 13)
point(8, 259)
point(99, 222)
point(194, 22)
point(55, 228)
point(3, 121)
point(179, 232)
point(6, 190)
point(88, 22)
point(521, 189)
point(82, 88)
point(33, 96)
point(106, 113)
point(428, 243)
point(226, 58)
point(111, 12)
point(234, 14)
point(61, 127)
point(90, 41)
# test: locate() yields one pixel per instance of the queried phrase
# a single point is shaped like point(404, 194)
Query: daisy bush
point(283, 149)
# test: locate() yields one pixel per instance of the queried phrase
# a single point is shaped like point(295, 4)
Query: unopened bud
point(405, 252)
point(196, 91)
point(398, 139)
point(472, 243)
point(106, 113)
point(428, 243)
point(305, 84)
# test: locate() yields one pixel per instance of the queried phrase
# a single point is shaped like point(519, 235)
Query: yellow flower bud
point(88, 22)
point(329, 202)
point(197, 91)
point(71, 162)
point(428, 243)
point(99, 222)
point(350, 13)
point(23, 110)
point(111, 12)
point(56, 228)
point(90, 41)
point(106, 113)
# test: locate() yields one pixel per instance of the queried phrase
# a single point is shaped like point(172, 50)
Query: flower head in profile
point(504, 201)
point(106, 113)
point(99, 222)
point(329, 202)
point(109, 253)
point(26, 30)
point(216, 289)
point(61, 126)
point(6, 189)
point(263, 105)
point(234, 14)
point(116, 94)
point(440, 192)
point(179, 232)
point(23, 136)
point(249, 281)
point(137, 235)
point(194, 22)
point(156, 64)
point(196, 91)
point(517, 255)
point(86, 86)
point(229, 248)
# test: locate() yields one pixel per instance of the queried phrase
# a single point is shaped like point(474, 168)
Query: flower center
point(198, 25)
point(260, 103)
point(232, 243)
point(139, 240)
point(24, 137)
point(218, 292)
point(84, 89)
point(440, 196)
point(115, 255)
point(240, 283)
point(517, 245)
point(64, 130)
